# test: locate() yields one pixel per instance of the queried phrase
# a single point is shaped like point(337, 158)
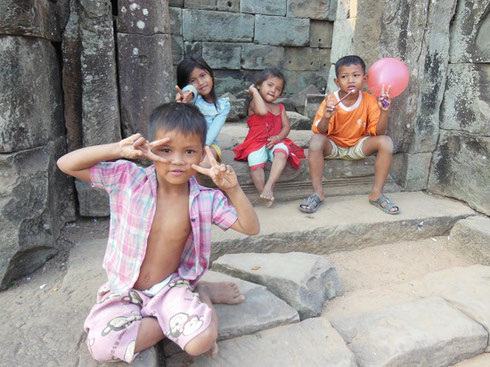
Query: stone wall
point(239, 38)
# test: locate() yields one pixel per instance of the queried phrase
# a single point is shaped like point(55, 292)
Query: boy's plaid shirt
point(132, 192)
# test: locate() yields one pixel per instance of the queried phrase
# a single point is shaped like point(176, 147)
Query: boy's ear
point(336, 80)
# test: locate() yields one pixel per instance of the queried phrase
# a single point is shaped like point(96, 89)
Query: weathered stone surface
point(30, 18)
point(299, 80)
point(299, 58)
point(298, 121)
point(267, 7)
point(143, 59)
point(460, 169)
point(428, 331)
point(147, 17)
point(411, 171)
point(470, 237)
point(36, 201)
point(92, 202)
point(176, 3)
point(347, 9)
point(311, 342)
point(260, 311)
point(466, 104)
point(222, 55)
point(312, 104)
point(177, 49)
point(469, 31)
point(30, 94)
point(228, 5)
point(258, 57)
point(342, 39)
point(100, 100)
point(200, 4)
point(324, 9)
point(192, 48)
point(299, 98)
point(228, 81)
point(271, 30)
point(201, 25)
point(238, 107)
point(175, 15)
point(303, 280)
point(287, 103)
point(321, 34)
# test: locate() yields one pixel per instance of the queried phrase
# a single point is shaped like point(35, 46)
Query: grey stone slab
point(200, 4)
point(299, 98)
point(145, 59)
point(411, 171)
point(175, 15)
point(428, 332)
point(229, 81)
point(202, 25)
point(31, 106)
point(177, 49)
point(299, 58)
point(228, 5)
point(470, 237)
point(267, 7)
point(257, 57)
point(176, 3)
point(325, 9)
point(92, 202)
point(298, 80)
point(304, 281)
point(238, 107)
point(460, 169)
point(146, 17)
point(192, 48)
point(298, 121)
point(312, 104)
point(311, 342)
point(281, 31)
point(321, 32)
point(222, 55)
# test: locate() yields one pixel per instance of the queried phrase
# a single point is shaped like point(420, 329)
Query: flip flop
point(387, 207)
point(311, 204)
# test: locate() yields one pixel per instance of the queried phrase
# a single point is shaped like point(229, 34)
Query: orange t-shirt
point(351, 124)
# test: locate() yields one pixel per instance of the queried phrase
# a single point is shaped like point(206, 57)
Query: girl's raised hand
point(222, 175)
point(251, 89)
point(183, 97)
point(384, 100)
point(136, 147)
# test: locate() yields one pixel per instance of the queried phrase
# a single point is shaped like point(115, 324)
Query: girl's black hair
point(349, 60)
point(270, 72)
point(187, 66)
point(182, 117)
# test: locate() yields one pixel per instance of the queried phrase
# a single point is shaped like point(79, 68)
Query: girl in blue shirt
point(195, 84)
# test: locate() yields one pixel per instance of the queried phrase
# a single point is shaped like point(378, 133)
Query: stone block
point(321, 33)
point(200, 4)
point(238, 107)
point(228, 81)
point(100, 97)
point(347, 9)
point(177, 49)
point(298, 121)
point(222, 55)
point(470, 237)
point(299, 99)
point(143, 58)
point(258, 57)
point(411, 171)
point(460, 169)
point(281, 31)
point(325, 9)
point(466, 104)
point(311, 342)
point(192, 48)
point(305, 58)
point(342, 39)
point(176, 3)
point(228, 5)
point(175, 15)
point(428, 332)
point(202, 25)
point(92, 202)
point(267, 7)
point(31, 106)
point(304, 281)
point(149, 17)
point(287, 103)
point(36, 200)
point(299, 80)
point(30, 18)
point(312, 104)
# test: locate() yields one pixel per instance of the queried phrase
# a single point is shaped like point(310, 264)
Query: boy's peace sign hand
point(330, 107)
point(222, 175)
point(136, 147)
point(183, 97)
point(384, 100)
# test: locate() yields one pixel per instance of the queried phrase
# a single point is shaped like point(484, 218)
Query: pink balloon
point(388, 71)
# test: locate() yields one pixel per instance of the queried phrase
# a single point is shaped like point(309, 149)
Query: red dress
point(260, 129)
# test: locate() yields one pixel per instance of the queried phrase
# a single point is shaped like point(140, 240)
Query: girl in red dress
point(267, 138)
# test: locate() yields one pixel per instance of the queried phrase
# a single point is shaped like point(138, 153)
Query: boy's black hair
point(187, 66)
point(185, 118)
point(270, 72)
point(349, 60)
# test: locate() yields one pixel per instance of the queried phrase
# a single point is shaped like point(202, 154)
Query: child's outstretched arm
point(225, 178)
point(257, 106)
point(384, 104)
point(79, 162)
point(283, 134)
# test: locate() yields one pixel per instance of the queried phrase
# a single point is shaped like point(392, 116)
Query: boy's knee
point(386, 144)
point(317, 143)
point(202, 342)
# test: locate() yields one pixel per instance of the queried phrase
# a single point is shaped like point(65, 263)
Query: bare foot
point(221, 292)
point(213, 352)
point(268, 196)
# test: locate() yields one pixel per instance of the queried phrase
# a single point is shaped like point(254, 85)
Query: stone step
point(343, 223)
point(471, 238)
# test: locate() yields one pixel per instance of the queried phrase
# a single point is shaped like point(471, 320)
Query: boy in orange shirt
point(351, 124)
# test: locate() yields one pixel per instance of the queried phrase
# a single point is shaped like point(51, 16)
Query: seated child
point(351, 124)
point(267, 138)
point(195, 85)
point(159, 240)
